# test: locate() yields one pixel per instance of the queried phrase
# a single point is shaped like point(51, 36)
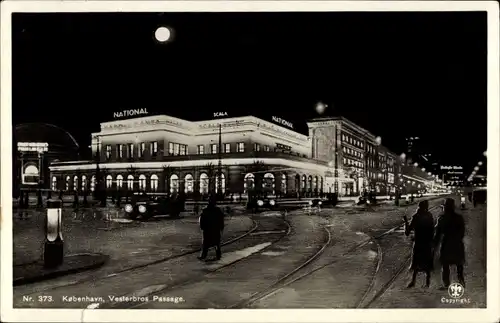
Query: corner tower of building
point(324, 134)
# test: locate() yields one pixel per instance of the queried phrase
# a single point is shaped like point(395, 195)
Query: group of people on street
point(449, 231)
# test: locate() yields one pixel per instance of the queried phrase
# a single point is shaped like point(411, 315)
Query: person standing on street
point(450, 231)
point(422, 223)
point(212, 225)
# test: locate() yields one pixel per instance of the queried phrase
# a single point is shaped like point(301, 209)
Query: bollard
point(27, 199)
point(54, 244)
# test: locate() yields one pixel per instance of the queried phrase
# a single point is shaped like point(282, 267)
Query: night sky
point(396, 74)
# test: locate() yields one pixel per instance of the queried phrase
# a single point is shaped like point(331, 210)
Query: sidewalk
point(398, 296)
point(127, 244)
point(35, 271)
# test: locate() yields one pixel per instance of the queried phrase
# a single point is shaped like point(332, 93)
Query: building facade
point(167, 154)
point(35, 147)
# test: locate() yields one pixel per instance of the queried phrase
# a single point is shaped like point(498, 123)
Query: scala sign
point(220, 114)
point(130, 113)
point(283, 122)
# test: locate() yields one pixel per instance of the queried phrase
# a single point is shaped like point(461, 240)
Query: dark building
point(35, 146)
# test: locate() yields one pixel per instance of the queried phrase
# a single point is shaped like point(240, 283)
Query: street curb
point(97, 261)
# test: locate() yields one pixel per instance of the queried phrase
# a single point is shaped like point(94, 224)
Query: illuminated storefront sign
point(284, 147)
point(283, 122)
point(33, 146)
point(451, 167)
point(141, 123)
point(220, 114)
point(234, 123)
point(130, 113)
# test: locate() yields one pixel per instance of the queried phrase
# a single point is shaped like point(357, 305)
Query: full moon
point(162, 34)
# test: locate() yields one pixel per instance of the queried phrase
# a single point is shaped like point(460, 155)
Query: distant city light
point(162, 34)
point(484, 154)
point(416, 164)
point(476, 168)
point(403, 156)
point(423, 169)
point(321, 107)
point(429, 173)
point(378, 140)
point(480, 163)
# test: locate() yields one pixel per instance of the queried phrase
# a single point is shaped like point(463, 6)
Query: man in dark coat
point(422, 223)
point(212, 224)
point(450, 230)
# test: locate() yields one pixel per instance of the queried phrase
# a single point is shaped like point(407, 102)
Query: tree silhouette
point(167, 172)
point(132, 171)
point(211, 173)
point(257, 168)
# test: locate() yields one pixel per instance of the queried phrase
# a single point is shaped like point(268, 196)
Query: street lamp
point(476, 168)
point(480, 163)
point(219, 168)
point(321, 107)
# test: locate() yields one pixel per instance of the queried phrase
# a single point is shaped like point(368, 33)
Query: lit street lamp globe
point(403, 156)
point(163, 34)
point(429, 173)
point(378, 140)
point(484, 154)
point(321, 107)
point(480, 163)
point(423, 169)
point(416, 164)
point(476, 168)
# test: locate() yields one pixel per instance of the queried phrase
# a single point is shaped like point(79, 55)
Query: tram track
point(150, 263)
point(366, 302)
point(262, 294)
point(282, 283)
point(162, 288)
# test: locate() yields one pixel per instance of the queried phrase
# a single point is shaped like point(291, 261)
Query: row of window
point(352, 152)
point(176, 149)
point(374, 175)
point(129, 148)
point(189, 183)
point(351, 162)
point(226, 148)
point(351, 140)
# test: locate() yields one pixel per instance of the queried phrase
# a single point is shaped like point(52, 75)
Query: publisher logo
point(455, 292)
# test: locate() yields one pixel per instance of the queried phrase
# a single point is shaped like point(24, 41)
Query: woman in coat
point(422, 223)
point(450, 231)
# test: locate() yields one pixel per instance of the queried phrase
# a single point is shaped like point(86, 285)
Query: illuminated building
point(35, 146)
point(163, 153)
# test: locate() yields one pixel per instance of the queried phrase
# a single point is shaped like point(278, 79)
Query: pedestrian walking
point(450, 231)
point(212, 225)
point(422, 224)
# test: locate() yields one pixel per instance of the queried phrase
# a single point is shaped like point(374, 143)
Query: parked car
point(316, 203)
point(258, 203)
point(146, 205)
